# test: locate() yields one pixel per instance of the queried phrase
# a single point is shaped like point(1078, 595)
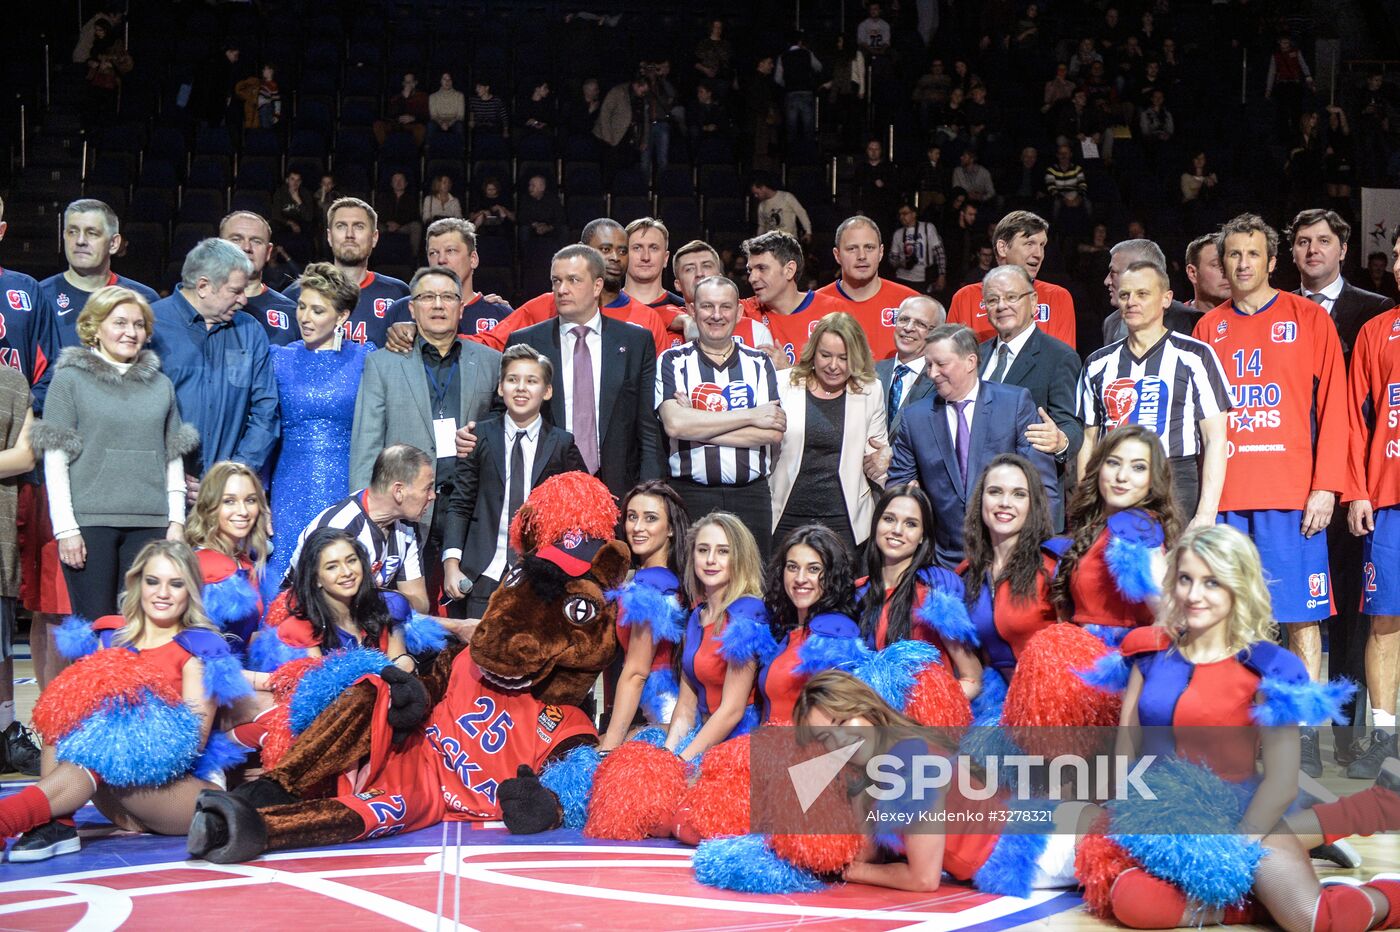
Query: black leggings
point(93, 590)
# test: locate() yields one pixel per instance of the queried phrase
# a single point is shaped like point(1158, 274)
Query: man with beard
point(277, 314)
point(352, 229)
point(609, 238)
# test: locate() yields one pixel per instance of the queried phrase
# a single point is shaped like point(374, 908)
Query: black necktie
point(1003, 354)
point(516, 496)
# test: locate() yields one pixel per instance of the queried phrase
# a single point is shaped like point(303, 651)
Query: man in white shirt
point(779, 210)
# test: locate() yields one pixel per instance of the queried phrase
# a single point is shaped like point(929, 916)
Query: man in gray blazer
point(429, 398)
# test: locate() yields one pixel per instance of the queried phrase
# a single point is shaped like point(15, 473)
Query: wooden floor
point(1381, 854)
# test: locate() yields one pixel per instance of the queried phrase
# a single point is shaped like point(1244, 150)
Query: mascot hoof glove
point(528, 807)
point(260, 793)
point(226, 829)
point(408, 701)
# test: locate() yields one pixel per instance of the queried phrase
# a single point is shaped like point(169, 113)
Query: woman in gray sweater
point(112, 442)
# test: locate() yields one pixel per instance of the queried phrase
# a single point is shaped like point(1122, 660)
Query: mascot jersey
point(1113, 580)
point(474, 739)
point(1005, 623)
point(1228, 692)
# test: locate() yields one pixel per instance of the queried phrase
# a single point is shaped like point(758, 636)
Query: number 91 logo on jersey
point(1284, 331)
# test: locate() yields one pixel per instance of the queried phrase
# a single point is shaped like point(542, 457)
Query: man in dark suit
point(1319, 241)
point(604, 375)
point(1023, 354)
point(946, 440)
point(513, 454)
point(1179, 318)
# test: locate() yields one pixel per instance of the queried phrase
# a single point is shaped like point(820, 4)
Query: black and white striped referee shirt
point(393, 555)
point(1175, 385)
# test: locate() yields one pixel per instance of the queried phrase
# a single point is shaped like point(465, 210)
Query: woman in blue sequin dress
point(318, 377)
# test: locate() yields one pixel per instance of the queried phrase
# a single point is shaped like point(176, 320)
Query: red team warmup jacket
point(790, 331)
point(876, 315)
point(1287, 433)
point(1373, 459)
point(1054, 312)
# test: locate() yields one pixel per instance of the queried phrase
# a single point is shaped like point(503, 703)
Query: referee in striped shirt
point(717, 400)
point(1163, 380)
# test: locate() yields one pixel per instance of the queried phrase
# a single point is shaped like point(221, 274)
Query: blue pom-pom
point(322, 685)
point(745, 863)
point(422, 633)
point(644, 604)
point(1290, 702)
point(1109, 673)
point(1178, 836)
point(826, 652)
point(894, 671)
point(1130, 565)
point(231, 603)
point(659, 695)
point(571, 779)
point(652, 735)
point(1111, 635)
point(746, 637)
point(224, 682)
point(748, 722)
point(148, 743)
point(1011, 865)
point(945, 612)
point(75, 638)
point(990, 699)
point(220, 753)
point(268, 651)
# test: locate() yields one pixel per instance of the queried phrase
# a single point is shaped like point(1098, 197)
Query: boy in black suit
point(513, 454)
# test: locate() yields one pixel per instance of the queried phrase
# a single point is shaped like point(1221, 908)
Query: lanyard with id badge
point(444, 424)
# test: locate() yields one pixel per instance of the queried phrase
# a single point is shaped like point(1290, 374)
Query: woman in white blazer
point(835, 417)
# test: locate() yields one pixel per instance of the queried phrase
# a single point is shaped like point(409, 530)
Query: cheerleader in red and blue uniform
point(904, 596)
point(650, 613)
point(130, 726)
point(1209, 675)
point(229, 529)
point(726, 637)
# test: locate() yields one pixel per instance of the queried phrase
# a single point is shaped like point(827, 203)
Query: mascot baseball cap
point(573, 553)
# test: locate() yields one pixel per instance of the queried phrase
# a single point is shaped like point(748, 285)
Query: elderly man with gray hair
point(218, 360)
point(1179, 318)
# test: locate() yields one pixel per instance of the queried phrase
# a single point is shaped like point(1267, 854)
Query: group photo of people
point(398, 431)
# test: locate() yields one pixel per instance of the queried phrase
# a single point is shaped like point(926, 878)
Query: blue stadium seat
point(158, 173)
point(676, 181)
point(535, 146)
point(354, 144)
point(112, 168)
point(307, 144)
point(143, 236)
point(724, 213)
point(259, 172)
point(358, 111)
point(682, 218)
point(208, 171)
point(261, 142)
point(582, 178)
point(257, 201)
point(114, 196)
point(128, 139)
point(631, 182)
point(582, 149)
point(166, 143)
point(581, 208)
point(495, 250)
point(625, 208)
point(488, 146)
point(720, 181)
point(151, 205)
point(213, 140)
point(197, 206)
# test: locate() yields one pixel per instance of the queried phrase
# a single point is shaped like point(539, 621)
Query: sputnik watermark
point(926, 776)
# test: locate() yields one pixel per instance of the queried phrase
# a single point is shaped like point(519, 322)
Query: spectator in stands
point(1065, 181)
point(1287, 80)
point(218, 360)
point(1377, 111)
point(846, 91)
point(1023, 186)
point(106, 64)
point(606, 374)
point(707, 117)
point(110, 13)
point(1178, 317)
point(212, 87)
point(440, 202)
point(835, 429)
point(451, 245)
point(717, 402)
point(539, 114)
point(964, 245)
point(760, 116)
point(714, 59)
point(648, 250)
point(112, 442)
point(91, 237)
point(798, 73)
point(1376, 276)
point(1058, 89)
point(1339, 165)
point(619, 125)
point(654, 112)
point(974, 178)
point(915, 250)
point(318, 379)
point(873, 34)
point(252, 234)
point(779, 210)
point(930, 91)
point(407, 112)
point(860, 290)
point(1079, 123)
point(1198, 184)
point(581, 113)
point(452, 385)
point(1086, 54)
point(903, 378)
point(875, 184)
point(934, 181)
point(1210, 288)
point(399, 213)
point(327, 193)
point(491, 215)
point(1307, 151)
point(541, 221)
point(352, 235)
point(447, 109)
point(945, 439)
point(1155, 123)
point(269, 99)
point(293, 214)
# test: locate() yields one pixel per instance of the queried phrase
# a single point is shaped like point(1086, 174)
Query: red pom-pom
point(571, 501)
point(937, 701)
point(284, 680)
point(820, 854)
point(1098, 861)
point(635, 788)
point(279, 736)
point(111, 675)
point(1048, 705)
point(719, 800)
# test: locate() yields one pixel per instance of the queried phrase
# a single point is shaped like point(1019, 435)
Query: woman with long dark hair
point(903, 595)
point(1008, 567)
point(1122, 518)
point(810, 595)
point(651, 612)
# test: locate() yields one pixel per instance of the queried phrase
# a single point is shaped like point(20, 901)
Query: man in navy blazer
point(945, 441)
